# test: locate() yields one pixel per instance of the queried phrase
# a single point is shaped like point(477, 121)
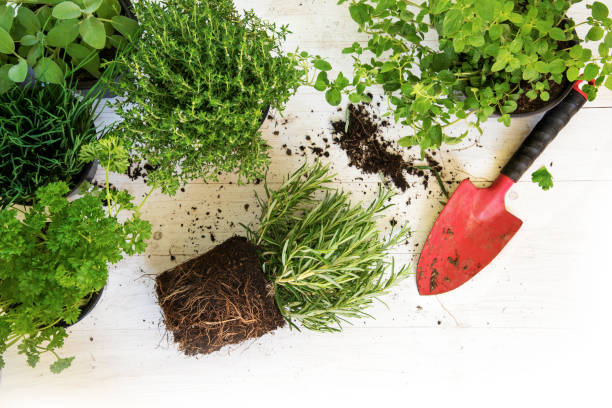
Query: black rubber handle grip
point(545, 131)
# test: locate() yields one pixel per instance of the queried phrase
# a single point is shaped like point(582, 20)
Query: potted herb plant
point(55, 257)
point(43, 127)
point(56, 39)
point(492, 56)
point(311, 262)
point(194, 88)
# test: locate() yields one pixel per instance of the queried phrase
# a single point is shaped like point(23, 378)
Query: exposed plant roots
point(218, 298)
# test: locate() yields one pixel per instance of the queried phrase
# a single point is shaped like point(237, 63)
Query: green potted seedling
point(491, 57)
point(42, 129)
point(194, 88)
point(55, 39)
point(55, 257)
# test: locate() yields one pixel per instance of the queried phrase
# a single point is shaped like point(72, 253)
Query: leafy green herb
point(325, 257)
point(55, 256)
point(59, 38)
point(195, 86)
point(543, 178)
point(42, 129)
point(489, 54)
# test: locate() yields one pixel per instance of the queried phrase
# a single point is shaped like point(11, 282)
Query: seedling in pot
point(312, 262)
point(194, 88)
point(55, 256)
point(491, 56)
point(56, 39)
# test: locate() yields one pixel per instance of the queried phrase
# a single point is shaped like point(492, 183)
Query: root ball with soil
point(314, 261)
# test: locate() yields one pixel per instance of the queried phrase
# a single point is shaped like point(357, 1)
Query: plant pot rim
point(85, 309)
point(264, 115)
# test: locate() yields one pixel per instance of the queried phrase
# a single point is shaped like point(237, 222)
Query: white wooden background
point(533, 327)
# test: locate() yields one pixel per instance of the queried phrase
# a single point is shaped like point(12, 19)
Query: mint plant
point(55, 256)
point(60, 38)
point(491, 56)
point(194, 88)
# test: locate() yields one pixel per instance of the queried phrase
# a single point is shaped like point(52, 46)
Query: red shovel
point(474, 226)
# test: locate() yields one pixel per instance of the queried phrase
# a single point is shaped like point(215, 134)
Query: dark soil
point(369, 152)
point(218, 298)
point(137, 171)
point(525, 105)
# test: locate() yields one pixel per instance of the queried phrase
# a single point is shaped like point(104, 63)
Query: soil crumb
point(218, 298)
point(368, 151)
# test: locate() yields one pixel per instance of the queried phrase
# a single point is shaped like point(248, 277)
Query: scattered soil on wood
point(218, 298)
point(137, 171)
point(368, 151)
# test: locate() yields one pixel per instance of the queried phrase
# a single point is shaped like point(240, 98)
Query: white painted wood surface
point(532, 328)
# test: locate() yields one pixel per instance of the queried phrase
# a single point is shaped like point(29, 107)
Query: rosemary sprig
point(325, 257)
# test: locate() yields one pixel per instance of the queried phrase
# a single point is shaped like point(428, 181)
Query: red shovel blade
point(472, 229)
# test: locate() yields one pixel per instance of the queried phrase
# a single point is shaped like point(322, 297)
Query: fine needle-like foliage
point(325, 257)
point(55, 256)
point(42, 128)
point(195, 86)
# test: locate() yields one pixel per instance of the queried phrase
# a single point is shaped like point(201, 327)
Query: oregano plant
point(56, 39)
point(490, 57)
point(55, 256)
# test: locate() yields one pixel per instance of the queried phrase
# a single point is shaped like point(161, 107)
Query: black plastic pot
point(84, 85)
point(85, 309)
point(86, 175)
point(264, 115)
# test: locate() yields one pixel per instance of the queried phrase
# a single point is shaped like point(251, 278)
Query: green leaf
point(595, 34)
point(322, 65)
point(7, 15)
point(28, 20)
point(408, 141)
point(64, 33)
point(66, 10)
point(126, 26)
point(557, 34)
point(600, 11)
point(545, 96)
point(477, 40)
point(388, 66)
point(557, 66)
point(322, 81)
point(93, 33)
point(333, 97)
point(91, 5)
point(7, 45)
point(509, 106)
point(61, 364)
point(543, 178)
point(572, 74)
point(359, 13)
point(499, 65)
point(5, 82)
point(109, 9)
point(34, 54)
point(355, 98)
point(531, 94)
point(28, 40)
point(590, 71)
point(608, 82)
point(18, 72)
point(48, 71)
point(541, 67)
point(495, 31)
point(453, 20)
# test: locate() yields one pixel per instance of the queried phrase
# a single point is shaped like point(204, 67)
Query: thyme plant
point(491, 55)
point(194, 88)
point(55, 256)
point(325, 257)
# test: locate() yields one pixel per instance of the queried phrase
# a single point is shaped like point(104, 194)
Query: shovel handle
point(544, 133)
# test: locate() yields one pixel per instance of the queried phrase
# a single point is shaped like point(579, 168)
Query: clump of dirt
point(218, 298)
point(137, 171)
point(369, 152)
